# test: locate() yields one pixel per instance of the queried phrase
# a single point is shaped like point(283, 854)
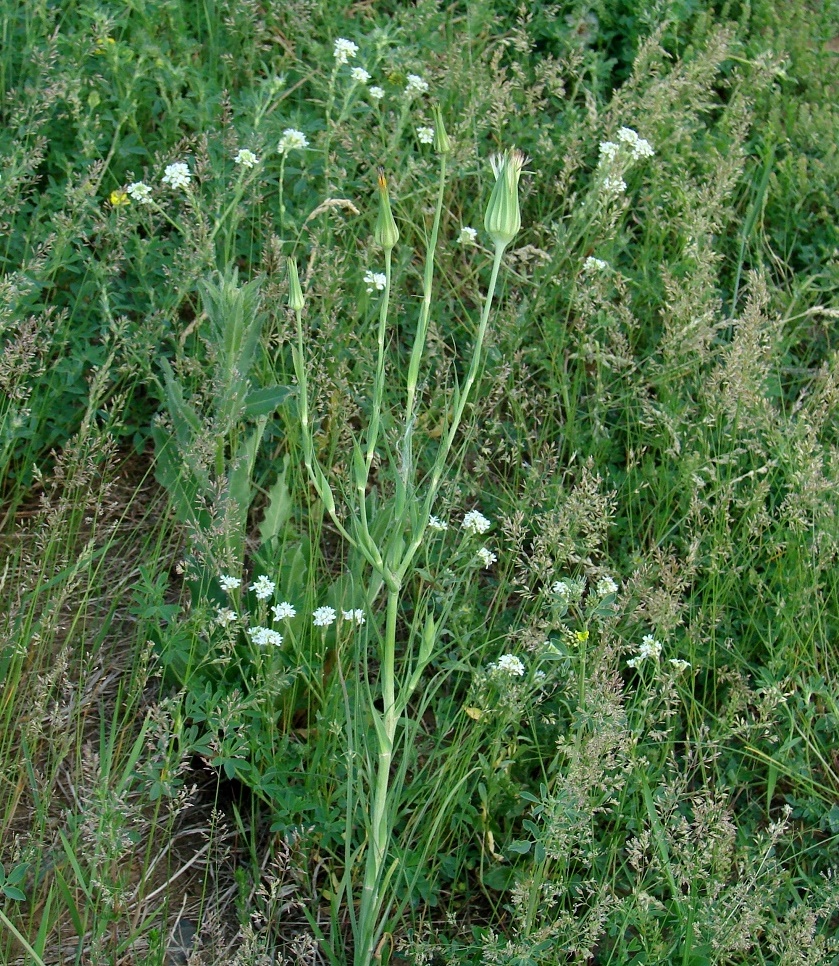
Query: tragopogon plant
point(390, 550)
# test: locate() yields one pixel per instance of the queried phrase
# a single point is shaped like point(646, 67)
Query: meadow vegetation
point(419, 460)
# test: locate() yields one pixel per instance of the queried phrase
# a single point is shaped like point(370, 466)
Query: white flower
point(605, 586)
point(263, 636)
point(592, 265)
point(561, 589)
point(649, 648)
point(425, 135)
point(229, 583)
point(176, 175)
point(415, 85)
point(487, 557)
point(225, 616)
point(435, 523)
point(608, 151)
point(344, 49)
point(291, 140)
point(140, 192)
point(475, 522)
point(283, 611)
point(360, 74)
point(639, 147)
point(614, 185)
point(467, 236)
point(377, 93)
point(377, 280)
point(246, 158)
point(323, 616)
point(509, 664)
point(263, 587)
point(679, 665)
point(356, 615)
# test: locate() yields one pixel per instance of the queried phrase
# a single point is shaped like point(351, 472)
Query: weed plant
point(406, 558)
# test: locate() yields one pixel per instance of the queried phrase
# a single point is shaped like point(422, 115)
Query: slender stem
point(282, 203)
point(446, 445)
point(379, 827)
point(379, 385)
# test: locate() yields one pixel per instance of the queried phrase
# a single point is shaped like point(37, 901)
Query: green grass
point(655, 401)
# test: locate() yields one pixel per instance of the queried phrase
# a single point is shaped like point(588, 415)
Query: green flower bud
point(386, 233)
point(295, 293)
point(442, 144)
point(503, 217)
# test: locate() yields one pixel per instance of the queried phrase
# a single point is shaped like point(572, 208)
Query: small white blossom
point(356, 615)
point(435, 523)
point(229, 583)
point(605, 586)
point(475, 522)
point(283, 611)
point(639, 147)
point(225, 616)
point(140, 192)
point(487, 557)
point(292, 140)
point(360, 74)
point(176, 175)
point(650, 648)
point(416, 85)
point(509, 664)
point(560, 588)
point(679, 665)
point(263, 587)
point(263, 636)
point(592, 265)
point(608, 151)
point(377, 93)
point(467, 236)
point(246, 158)
point(614, 185)
point(425, 135)
point(344, 49)
point(323, 616)
point(377, 280)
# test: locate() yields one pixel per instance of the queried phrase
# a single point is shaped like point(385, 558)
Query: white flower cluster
point(246, 158)
point(593, 265)
point(140, 192)
point(475, 522)
point(324, 616)
point(375, 280)
point(425, 135)
point(292, 140)
point(605, 586)
point(360, 75)
point(265, 636)
point(639, 147)
point(415, 85)
point(487, 557)
point(263, 588)
point(435, 523)
point(377, 93)
point(283, 611)
point(509, 664)
point(344, 49)
point(176, 175)
point(357, 616)
point(467, 236)
point(650, 649)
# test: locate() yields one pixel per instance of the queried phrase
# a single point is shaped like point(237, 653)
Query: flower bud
point(295, 293)
point(386, 233)
point(442, 144)
point(503, 217)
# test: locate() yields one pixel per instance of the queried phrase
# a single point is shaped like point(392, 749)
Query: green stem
point(379, 385)
point(369, 927)
point(446, 445)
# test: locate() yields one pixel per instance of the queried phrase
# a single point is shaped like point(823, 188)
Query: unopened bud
point(442, 144)
point(295, 293)
point(503, 217)
point(386, 233)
